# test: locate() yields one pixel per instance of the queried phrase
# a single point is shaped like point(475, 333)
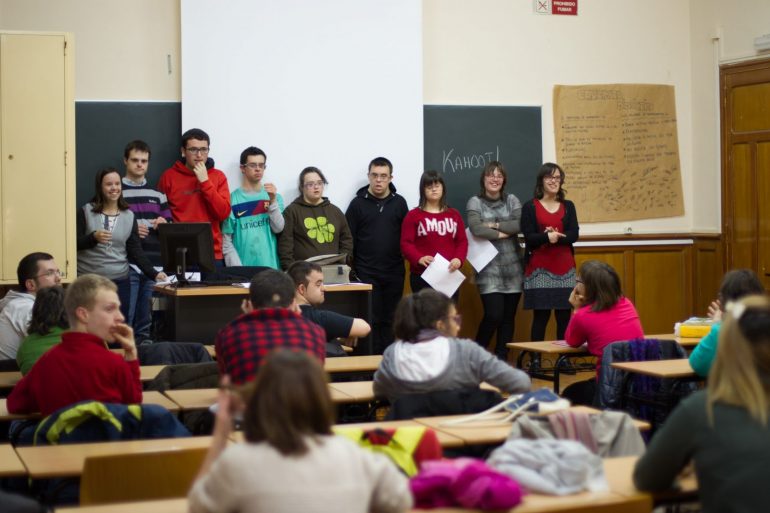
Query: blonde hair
point(83, 293)
point(741, 372)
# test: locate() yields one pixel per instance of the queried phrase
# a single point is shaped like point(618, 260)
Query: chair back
point(141, 476)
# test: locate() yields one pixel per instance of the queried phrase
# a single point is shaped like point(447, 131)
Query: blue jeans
point(140, 305)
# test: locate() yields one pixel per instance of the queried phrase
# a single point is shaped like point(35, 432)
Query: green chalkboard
point(460, 140)
point(102, 130)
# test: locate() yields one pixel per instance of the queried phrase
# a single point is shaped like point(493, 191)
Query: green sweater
point(704, 353)
point(731, 458)
point(34, 346)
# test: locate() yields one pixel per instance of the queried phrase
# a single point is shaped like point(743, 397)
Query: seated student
point(49, 320)
point(735, 285)
point(271, 320)
point(313, 225)
point(428, 357)
point(309, 294)
point(601, 313)
point(724, 428)
point(291, 461)
point(35, 272)
point(81, 367)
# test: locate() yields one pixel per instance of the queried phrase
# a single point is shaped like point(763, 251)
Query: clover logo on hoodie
point(320, 229)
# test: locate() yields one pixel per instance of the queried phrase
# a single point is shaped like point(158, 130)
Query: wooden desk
point(150, 372)
point(148, 397)
point(146, 373)
point(365, 363)
point(561, 352)
point(679, 368)
point(354, 391)
point(10, 464)
point(197, 314)
point(67, 459)
point(686, 342)
point(9, 379)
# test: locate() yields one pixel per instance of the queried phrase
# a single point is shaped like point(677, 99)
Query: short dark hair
point(381, 161)
point(251, 151)
point(197, 134)
point(48, 311)
point(27, 268)
point(429, 178)
point(419, 311)
point(289, 401)
point(300, 270)
point(137, 145)
point(271, 288)
point(488, 170)
point(737, 284)
point(602, 285)
point(548, 169)
point(97, 202)
point(306, 171)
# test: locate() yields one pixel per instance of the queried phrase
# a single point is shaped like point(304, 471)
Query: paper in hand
point(480, 251)
point(437, 275)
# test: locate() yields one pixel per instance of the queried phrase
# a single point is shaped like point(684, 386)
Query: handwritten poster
point(619, 149)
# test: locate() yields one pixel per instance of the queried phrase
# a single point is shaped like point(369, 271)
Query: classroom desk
point(364, 363)
point(10, 464)
point(148, 397)
point(354, 391)
point(9, 379)
point(561, 352)
point(679, 368)
point(197, 314)
point(146, 373)
point(68, 459)
point(203, 398)
point(686, 342)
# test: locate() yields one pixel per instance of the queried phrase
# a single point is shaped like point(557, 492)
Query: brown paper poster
point(618, 146)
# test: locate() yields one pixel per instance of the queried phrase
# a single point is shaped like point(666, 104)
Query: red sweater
point(423, 233)
point(78, 368)
point(194, 202)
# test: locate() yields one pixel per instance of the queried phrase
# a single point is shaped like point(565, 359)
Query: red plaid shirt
point(242, 344)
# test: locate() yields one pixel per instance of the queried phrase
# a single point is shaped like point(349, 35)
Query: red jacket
point(423, 233)
point(194, 202)
point(78, 368)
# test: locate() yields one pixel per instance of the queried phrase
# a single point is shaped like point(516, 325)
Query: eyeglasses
point(197, 151)
point(376, 177)
point(552, 178)
point(458, 319)
point(310, 185)
point(50, 273)
point(434, 185)
point(254, 165)
point(495, 177)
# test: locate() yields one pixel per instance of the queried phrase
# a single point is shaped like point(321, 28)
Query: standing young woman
point(723, 429)
point(313, 226)
point(494, 215)
point(550, 227)
point(291, 460)
point(108, 238)
point(432, 228)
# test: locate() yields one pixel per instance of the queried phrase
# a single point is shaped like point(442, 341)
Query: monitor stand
point(181, 271)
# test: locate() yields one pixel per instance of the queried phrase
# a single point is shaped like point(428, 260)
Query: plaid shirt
point(242, 344)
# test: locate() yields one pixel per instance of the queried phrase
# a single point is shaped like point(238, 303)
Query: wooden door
point(33, 187)
point(745, 101)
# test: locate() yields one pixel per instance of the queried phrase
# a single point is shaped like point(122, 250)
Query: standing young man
point(256, 217)
point(375, 217)
point(196, 191)
point(150, 209)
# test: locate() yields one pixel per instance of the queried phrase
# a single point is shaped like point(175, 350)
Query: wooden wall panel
point(744, 241)
point(661, 287)
point(707, 273)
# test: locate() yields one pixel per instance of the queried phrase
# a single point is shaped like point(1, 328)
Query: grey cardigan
point(469, 365)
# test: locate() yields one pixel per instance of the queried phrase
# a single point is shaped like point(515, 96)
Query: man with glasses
point(196, 191)
point(256, 217)
point(35, 271)
point(375, 216)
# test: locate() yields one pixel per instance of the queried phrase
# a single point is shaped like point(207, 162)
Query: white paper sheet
point(437, 275)
point(480, 251)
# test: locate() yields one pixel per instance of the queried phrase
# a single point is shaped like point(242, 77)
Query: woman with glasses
point(432, 228)
point(494, 215)
point(108, 238)
point(428, 357)
point(313, 226)
point(550, 227)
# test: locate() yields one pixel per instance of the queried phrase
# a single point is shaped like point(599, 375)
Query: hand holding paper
point(438, 276)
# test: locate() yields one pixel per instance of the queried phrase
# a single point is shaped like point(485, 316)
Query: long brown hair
point(741, 372)
point(602, 285)
point(97, 202)
point(548, 169)
point(289, 401)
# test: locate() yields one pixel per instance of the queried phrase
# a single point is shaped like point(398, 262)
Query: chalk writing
point(455, 163)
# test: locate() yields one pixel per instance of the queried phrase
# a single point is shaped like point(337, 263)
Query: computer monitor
point(186, 247)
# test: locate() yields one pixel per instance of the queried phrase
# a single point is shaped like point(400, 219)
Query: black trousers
point(540, 321)
point(386, 293)
point(499, 316)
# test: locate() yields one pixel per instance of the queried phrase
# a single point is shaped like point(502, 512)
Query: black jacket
point(376, 227)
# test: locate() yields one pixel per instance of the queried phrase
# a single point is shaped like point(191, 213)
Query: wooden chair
point(141, 476)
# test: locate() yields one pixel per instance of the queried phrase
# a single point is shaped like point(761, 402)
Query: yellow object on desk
point(694, 331)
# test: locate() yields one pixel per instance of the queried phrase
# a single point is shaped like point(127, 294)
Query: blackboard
point(102, 130)
point(461, 140)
